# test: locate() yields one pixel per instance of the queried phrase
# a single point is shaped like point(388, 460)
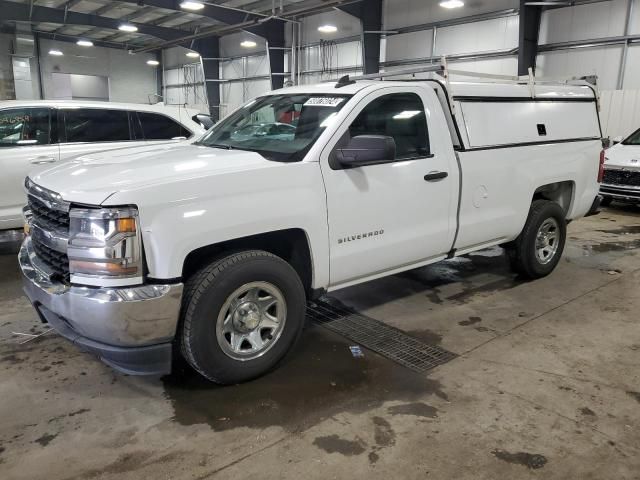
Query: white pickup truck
point(211, 249)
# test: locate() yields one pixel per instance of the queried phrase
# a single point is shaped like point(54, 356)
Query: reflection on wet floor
point(456, 281)
point(319, 379)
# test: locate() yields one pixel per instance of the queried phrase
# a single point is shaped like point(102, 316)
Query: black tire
point(522, 251)
point(205, 295)
point(606, 201)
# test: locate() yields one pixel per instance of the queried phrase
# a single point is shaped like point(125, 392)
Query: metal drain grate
point(378, 336)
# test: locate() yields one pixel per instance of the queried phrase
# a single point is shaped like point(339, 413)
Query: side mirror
point(365, 150)
point(205, 120)
point(606, 142)
point(617, 139)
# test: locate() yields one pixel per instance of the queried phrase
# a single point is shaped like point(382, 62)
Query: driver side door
point(388, 217)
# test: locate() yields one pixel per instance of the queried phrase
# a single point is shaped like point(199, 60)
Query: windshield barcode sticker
point(323, 102)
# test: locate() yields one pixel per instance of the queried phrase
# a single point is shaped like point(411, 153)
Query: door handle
point(433, 176)
point(41, 160)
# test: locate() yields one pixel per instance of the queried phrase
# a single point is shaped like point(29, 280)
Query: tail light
point(601, 167)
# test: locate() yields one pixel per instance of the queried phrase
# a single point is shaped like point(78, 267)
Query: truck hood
point(623, 156)
point(93, 178)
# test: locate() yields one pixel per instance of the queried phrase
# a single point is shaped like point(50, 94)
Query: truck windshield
point(633, 139)
point(279, 127)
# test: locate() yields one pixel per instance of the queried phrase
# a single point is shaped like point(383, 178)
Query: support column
point(274, 35)
point(528, 40)
point(370, 15)
point(209, 50)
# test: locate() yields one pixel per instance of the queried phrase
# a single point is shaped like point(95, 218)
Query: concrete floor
point(546, 385)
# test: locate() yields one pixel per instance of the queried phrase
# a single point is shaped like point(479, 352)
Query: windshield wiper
point(218, 145)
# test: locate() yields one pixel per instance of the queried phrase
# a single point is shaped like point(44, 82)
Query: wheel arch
point(561, 193)
point(292, 245)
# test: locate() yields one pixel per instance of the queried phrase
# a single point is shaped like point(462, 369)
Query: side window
point(398, 115)
point(96, 125)
point(136, 126)
point(25, 126)
point(159, 127)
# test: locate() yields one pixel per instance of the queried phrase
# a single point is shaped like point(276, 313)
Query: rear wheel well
point(558, 192)
point(291, 245)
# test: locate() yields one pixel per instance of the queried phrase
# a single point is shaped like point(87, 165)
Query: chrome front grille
point(49, 222)
point(622, 177)
point(48, 218)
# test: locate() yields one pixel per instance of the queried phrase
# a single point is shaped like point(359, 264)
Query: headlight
point(105, 244)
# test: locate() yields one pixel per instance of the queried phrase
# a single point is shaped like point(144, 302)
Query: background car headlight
point(105, 244)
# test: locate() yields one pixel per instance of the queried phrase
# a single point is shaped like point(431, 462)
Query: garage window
point(96, 125)
point(159, 127)
point(24, 126)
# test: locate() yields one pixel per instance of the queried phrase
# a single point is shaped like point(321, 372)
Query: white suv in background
point(34, 133)
point(621, 179)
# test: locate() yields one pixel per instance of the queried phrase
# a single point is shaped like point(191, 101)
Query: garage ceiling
point(98, 20)
point(141, 13)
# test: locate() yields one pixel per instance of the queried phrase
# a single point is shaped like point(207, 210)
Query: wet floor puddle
point(320, 379)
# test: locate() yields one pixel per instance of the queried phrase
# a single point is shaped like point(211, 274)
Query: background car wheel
point(240, 316)
point(537, 250)
point(606, 201)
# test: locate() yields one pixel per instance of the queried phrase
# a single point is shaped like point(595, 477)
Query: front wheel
point(537, 250)
point(240, 316)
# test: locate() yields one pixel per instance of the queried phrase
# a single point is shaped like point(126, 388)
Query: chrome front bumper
point(130, 328)
point(621, 192)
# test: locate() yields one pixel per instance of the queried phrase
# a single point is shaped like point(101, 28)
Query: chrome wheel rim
point(251, 320)
point(547, 240)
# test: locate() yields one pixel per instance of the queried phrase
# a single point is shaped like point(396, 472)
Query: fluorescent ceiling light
point(452, 4)
point(56, 53)
point(188, 5)
point(85, 43)
point(127, 27)
point(406, 114)
point(193, 54)
point(153, 63)
point(248, 44)
point(327, 28)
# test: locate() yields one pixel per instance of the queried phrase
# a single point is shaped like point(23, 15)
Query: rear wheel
point(241, 315)
point(537, 250)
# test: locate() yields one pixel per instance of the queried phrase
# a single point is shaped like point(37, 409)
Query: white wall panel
point(257, 66)
point(601, 61)
point(582, 22)
point(232, 68)
point(498, 66)
point(632, 72)
point(130, 78)
point(497, 34)
point(337, 56)
point(409, 45)
point(620, 112)
point(402, 13)
point(183, 86)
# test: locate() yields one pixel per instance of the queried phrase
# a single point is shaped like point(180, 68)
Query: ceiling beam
point(23, 12)
point(74, 38)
